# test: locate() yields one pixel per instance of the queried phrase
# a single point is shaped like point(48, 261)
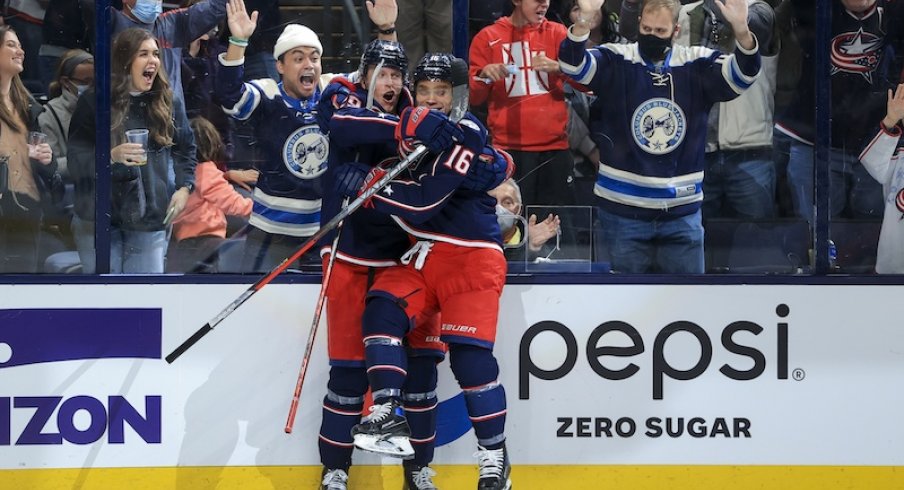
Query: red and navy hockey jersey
point(358, 134)
point(427, 202)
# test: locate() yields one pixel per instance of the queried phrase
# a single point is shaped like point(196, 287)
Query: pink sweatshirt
point(207, 207)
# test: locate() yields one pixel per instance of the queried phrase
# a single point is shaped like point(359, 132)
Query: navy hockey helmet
point(391, 53)
point(436, 67)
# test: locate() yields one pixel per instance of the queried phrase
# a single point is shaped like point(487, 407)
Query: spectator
point(143, 198)
point(740, 172)
point(66, 26)
point(287, 196)
point(26, 18)
point(867, 38)
point(508, 213)
point(75, 73)
point(175, 29)
point(884, 160)
point(424, 26)
point(201, 228)
point(655, 101)
point(514, 71)
point(27, 172)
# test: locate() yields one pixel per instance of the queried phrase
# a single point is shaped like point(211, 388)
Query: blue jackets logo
point(306, 151)
point(658, 126)
point(37, 336)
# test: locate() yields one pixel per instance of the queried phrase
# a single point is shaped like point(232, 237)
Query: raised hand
point(540, 232)
point(383, 13)
point(589, 9)
point(735, 13)
point(895, 112)
point(241, 25)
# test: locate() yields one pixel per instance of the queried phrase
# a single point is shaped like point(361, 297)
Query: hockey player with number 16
point(456, 267)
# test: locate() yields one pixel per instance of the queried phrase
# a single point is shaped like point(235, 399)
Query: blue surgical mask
point(80, 89)
point(146, 11)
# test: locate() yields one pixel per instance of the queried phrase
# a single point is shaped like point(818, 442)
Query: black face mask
point(653, 48)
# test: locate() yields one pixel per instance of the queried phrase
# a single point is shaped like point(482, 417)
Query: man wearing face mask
point(512, 225)
point(655, 100)
point(75, 73)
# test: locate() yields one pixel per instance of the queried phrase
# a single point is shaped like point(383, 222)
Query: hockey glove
point(350, 178)
point(490, 170)
point(355, 178)
point(334, 97)
point(475, 134)
point(430, 127)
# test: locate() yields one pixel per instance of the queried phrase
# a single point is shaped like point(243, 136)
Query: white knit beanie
point(295, 35)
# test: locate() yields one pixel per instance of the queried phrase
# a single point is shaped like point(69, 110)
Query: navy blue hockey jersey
point(427, 202)
point(358, 134)
point(651, 131)
point(287, 198)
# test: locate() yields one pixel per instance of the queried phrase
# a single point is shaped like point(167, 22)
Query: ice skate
point(385, 431)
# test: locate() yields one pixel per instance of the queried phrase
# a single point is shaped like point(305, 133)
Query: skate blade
point(396, 447)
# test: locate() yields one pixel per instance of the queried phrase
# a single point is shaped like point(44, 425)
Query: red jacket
point(527, 110)
point(207, 207)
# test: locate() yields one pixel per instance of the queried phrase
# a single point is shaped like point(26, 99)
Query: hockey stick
point(315, 323)
point(459, 108)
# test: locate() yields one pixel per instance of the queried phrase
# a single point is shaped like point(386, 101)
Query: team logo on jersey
point(658, 126)
point(856, 52)
point(305, 152)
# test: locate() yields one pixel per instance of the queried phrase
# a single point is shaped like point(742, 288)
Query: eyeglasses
point(79, 81)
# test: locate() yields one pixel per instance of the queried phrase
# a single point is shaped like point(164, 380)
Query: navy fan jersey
point(287, 197)
point(651, 132)
point(358, 134)
point(427, 202)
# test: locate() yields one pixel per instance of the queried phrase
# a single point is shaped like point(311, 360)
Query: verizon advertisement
point(631, 374)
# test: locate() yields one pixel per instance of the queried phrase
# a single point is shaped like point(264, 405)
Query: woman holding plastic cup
point(27, 171)
point(151, 142)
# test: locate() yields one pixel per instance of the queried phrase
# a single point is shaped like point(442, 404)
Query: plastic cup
point(139, 136)
point(36, 138)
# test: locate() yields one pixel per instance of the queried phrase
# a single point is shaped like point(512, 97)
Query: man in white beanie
point(288, 192)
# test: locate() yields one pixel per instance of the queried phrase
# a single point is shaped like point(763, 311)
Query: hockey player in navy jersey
point(456, 267)
point(654, 100)
point(361, 119)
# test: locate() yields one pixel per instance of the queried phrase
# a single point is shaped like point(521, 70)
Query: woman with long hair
point(151, 182)
point(27, 171)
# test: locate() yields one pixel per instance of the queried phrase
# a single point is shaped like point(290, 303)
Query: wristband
point(242, 43)
point(388, 31)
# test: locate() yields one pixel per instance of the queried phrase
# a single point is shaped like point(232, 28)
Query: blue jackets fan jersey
point(287, 198)
point(358, 134)
point(428, 203)
point(652, 130)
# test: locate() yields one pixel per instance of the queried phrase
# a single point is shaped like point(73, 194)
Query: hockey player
point(287, 199)
point(369, 242)
point(884, 159)
point(456, 267)
point(655, 99)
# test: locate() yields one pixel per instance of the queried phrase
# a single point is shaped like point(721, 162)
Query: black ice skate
point(494, 469)
point(385, 431)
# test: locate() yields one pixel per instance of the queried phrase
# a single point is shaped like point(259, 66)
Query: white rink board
point(225, 401)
